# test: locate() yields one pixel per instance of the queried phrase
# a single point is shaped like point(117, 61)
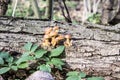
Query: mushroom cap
point(46, 36)
point(53, 33)
point(60, 37)
point(55, 28)
point(48, 30)
point(68, 36)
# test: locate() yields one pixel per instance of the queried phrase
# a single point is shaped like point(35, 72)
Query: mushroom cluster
point(53, 38)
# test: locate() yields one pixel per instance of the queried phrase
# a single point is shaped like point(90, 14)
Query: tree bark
point(95, 49)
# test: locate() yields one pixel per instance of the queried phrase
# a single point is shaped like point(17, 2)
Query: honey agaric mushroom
point(46, 41)
point(53, 35)
point(60, 37)
point(56, 29)
point(67, 43)
point(48, 30)
point(47, 37)
point(52, 38)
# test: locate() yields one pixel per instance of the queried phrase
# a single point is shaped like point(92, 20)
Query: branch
point(15, 6)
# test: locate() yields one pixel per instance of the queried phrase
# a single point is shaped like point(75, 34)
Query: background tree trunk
point(3, 6)
point(95, 50)
point(49, 9)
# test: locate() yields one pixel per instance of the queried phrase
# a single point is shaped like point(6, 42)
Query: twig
point(95, 6)
point(15, 6)
point(84, 17)
point(89, 6)
point(68, 15)
point(35, 8)
point(68, 19)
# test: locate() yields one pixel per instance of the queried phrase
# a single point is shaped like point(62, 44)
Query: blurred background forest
point(25, 9)
point(75, 11)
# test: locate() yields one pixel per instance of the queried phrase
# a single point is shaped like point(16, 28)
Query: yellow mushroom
point(48, 30)
point(55, 28)
point(60, 37)
point(53, 36)
point(68, 42)
point(46, 41)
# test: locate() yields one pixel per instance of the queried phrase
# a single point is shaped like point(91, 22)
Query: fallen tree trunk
point(96, 48)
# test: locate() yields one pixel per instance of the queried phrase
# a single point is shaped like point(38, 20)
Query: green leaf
point(4, 55)
point(10, 59)
point(15, 68)
point(34, 47)
point(23, 65)
point(1, 61)
point(4, 70)
point(94, 18)
point(95, 78)
point(24, 59)
point(73, 73)
point(82, 74)
point(49, 63)
point(59, 67)
point(28, 46)
point(25, 54)
point(57, 51)
point(45, 68)
point(39, 53)
point(57, 61)
point(73, 78)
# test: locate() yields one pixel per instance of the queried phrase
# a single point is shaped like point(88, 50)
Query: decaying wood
point(96, 48)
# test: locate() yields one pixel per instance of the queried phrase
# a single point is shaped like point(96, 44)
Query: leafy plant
point(95, 78)
point(52, 58)
point(94, 18)
point(75, 75)
point(45, 61)
point(32, 53)
point(7, 62)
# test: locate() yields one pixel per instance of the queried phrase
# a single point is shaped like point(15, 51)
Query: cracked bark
point(95, 50)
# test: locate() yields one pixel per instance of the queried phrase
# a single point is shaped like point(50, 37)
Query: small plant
point(90, 11)
point(94, 18)
point(44, 59)
point(75, 75)
point(7, 63)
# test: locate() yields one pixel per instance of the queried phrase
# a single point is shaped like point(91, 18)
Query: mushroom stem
point(46, 43)
point(56, 29)
point(67, 43)
point(48, 30)
point(53, 41)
